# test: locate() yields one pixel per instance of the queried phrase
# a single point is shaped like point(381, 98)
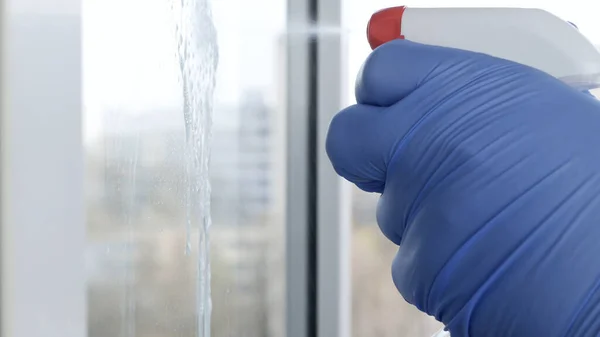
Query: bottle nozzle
point(384, 26)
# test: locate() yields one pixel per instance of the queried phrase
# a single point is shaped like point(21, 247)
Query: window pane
point(377, 307)
point(144, 260)
point(378, 310)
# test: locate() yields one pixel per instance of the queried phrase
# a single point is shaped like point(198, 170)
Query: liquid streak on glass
point(130, 296)
point(197, 52)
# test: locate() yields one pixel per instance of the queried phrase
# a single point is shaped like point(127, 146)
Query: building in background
point(255, 139)
point(135, 187)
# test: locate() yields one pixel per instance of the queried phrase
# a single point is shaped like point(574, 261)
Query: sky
point(129, 47)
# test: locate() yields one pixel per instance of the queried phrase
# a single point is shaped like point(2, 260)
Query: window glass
point(144, 261)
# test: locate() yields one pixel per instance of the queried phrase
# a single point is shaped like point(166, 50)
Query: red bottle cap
point(385, 26)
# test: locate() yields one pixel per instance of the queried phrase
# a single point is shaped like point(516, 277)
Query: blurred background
point(141, 280)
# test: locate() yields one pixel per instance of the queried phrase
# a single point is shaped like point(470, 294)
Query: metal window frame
point(318, 205)
point(334, 215)
point(42, 202)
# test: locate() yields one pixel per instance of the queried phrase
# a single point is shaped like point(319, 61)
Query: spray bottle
point(532, 37)
point(528, 36)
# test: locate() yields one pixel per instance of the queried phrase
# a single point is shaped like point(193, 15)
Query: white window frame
point(43, 290)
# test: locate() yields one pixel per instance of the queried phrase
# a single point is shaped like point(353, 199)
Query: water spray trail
point(197, 52)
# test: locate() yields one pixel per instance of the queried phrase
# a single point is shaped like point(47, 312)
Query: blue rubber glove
point(490, 179)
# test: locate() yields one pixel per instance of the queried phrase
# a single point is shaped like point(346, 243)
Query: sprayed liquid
point(197, 52)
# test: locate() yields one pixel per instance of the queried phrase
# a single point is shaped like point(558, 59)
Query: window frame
point(318, 201)
point(43, 281)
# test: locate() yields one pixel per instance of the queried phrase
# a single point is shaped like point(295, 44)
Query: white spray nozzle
point(529, 36)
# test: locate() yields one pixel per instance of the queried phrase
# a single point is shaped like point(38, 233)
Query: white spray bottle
point(528, 36)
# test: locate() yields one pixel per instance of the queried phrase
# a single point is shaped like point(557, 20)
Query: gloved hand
point(490, 179)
